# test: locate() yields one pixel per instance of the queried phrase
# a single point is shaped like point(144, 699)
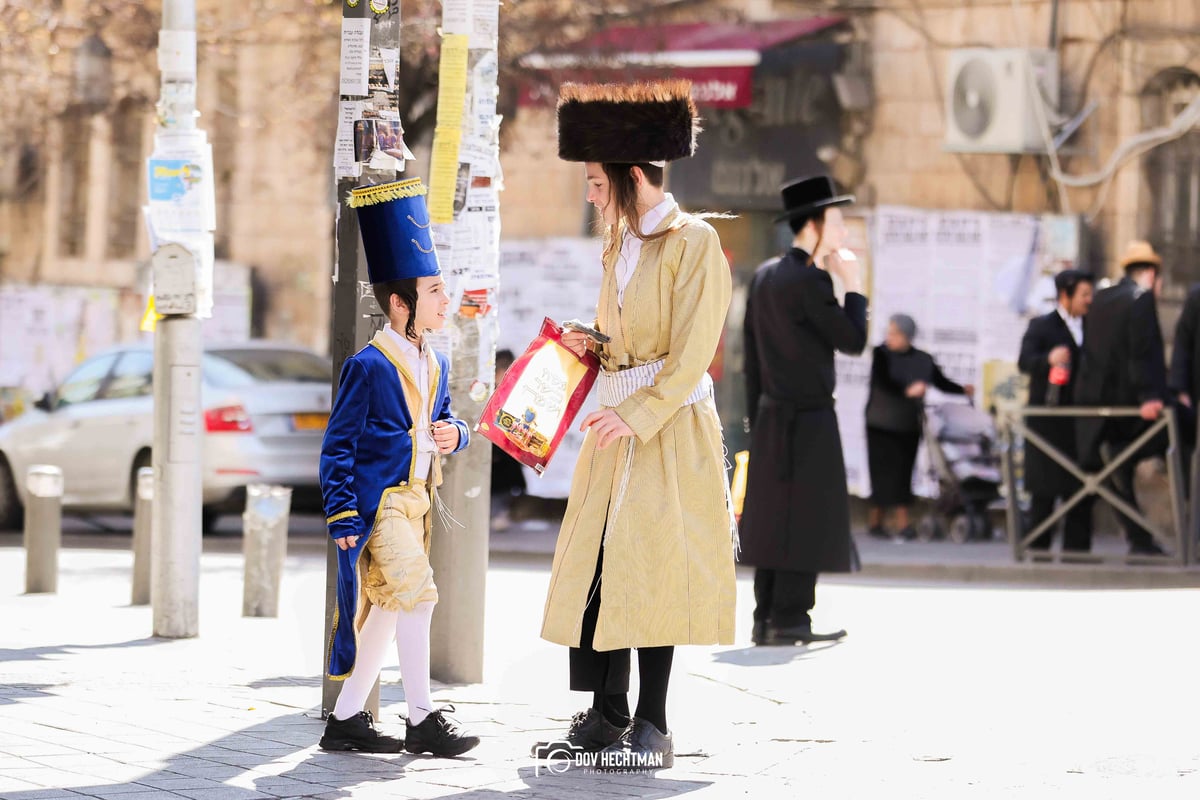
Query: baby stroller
point(965, 464)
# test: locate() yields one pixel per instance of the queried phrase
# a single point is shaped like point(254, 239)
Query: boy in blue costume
point(380, 461)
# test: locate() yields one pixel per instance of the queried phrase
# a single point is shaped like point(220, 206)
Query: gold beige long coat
point(668, 573)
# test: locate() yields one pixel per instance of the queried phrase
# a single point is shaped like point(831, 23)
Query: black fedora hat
point(803, 196)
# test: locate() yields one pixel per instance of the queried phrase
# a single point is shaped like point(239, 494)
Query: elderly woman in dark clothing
point(900, 376)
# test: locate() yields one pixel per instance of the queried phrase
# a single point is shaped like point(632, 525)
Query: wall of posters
point(971, 280)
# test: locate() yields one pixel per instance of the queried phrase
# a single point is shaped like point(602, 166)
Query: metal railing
point(1179, 541)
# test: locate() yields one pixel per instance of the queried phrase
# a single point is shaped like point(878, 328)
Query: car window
point(268, 364)
point(223, 374)
point(132, 376)
point(84, 383)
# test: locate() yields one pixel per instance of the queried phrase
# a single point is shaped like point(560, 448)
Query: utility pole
point(370, 43)
point(181, 219)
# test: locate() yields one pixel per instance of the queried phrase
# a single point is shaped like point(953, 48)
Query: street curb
point(1045, 576)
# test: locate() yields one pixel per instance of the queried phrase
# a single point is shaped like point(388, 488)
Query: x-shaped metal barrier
point(1180, 540)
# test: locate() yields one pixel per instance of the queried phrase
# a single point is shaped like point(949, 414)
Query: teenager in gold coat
point(645, 556)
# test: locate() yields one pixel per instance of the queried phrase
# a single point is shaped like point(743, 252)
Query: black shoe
point(879, 532)
point(1150, 548)
point(641, 747)
point(438, 735)
point(908, 534)
point(759, 634)
point(590, 732)
point(358, 733)
point(802, 634)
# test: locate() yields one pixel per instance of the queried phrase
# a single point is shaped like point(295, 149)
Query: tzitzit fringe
point(371, 195)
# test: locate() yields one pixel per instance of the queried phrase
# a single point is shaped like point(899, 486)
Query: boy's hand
point(346, 542)
point(445, 436)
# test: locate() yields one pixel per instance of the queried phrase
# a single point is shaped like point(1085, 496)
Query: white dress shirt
point(418, 365)
point(631, 246)
point(1074, 325)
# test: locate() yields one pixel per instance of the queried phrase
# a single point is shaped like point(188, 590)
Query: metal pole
point(459, 556)
point(175, 576)
point(355, 316)
point(43, 528)
point(143, 525)
point(264, 546)
point(175, 531)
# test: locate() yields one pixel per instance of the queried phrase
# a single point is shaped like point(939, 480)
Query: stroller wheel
point(960, 529)
point(929, 529)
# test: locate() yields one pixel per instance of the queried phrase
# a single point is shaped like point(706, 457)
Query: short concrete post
point(143, 521)
point(264, 544)
point(43, 528)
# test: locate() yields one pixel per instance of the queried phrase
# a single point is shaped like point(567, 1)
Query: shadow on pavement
point(773, 655)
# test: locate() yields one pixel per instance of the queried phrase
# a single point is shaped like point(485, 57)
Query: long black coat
point(1122, 364)
point(1042, 475)
point(797, 511)
point(1185, 358)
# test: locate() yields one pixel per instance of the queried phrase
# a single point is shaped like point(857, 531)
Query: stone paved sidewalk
point(924, 700)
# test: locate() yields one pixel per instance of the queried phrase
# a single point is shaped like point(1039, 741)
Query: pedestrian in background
point(380, 466)
point(796, 517)
point(508, 476)
point(1123, 365)
point(900, 377)
point(1050, 354)
point(1184, 378)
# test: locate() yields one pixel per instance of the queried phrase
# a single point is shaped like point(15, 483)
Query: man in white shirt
point(1050, 353)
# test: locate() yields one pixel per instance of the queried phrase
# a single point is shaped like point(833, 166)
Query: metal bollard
point(143, 522)
point(264, 544)
point(43, 528)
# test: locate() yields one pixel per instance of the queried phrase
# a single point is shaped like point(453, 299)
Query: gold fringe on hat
point(370, 195)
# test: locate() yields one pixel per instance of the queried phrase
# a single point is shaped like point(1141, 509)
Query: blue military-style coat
point(368, 448)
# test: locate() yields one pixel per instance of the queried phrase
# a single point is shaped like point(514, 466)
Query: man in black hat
point(1050, 355)
point(796, 518)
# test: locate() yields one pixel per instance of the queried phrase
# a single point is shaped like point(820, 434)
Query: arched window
point(1173, 179)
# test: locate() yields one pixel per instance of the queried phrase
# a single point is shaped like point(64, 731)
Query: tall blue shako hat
point(394, 222)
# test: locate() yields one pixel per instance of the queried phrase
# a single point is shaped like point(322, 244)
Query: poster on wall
point(971, 281)
point(557, 278)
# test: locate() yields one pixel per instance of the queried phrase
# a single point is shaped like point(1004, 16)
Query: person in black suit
point(1050, 354)
point(796, 516)
point(1184, 378)
point(1123, 365)
point(900, 376)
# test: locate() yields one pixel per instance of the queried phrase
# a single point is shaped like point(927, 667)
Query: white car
point(265, 411)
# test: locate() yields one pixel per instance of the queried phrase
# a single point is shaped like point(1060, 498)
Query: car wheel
point(140, 461)
point(208, 520)
point(11, 513)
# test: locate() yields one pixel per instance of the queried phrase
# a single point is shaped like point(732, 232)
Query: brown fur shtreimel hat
point(627, 123)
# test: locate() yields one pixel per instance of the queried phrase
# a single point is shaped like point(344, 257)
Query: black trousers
point(783, 597)
point(1121, 483)
point(1077, 525)
point(607, 671)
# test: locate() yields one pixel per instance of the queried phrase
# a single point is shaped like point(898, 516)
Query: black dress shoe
point(641, 747)
point(1146, 549)
point(358, 733)
point(590, 732)
point(759, 634)
point(439, 736)
point(879, 532)
point(802, 634)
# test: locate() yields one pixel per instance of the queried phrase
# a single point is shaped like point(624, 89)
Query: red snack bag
point(538, 398)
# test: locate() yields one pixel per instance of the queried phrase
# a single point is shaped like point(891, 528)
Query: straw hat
point(1140, 252)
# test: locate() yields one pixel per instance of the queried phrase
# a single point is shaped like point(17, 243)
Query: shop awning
point(719, 59)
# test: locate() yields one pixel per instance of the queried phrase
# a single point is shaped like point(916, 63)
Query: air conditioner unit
point(990, 104)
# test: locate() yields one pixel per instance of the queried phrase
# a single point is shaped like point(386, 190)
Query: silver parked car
point(265, 411)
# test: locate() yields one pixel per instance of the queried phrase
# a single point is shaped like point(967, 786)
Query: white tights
point(410, 630)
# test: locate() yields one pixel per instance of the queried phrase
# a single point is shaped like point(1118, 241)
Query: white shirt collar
point(409, 349)
point(654, 217)
point(1074, 324)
